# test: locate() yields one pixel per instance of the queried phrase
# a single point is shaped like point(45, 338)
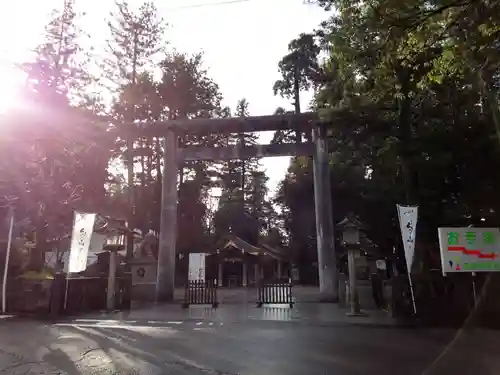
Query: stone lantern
point(351, 229)
point(114, 242)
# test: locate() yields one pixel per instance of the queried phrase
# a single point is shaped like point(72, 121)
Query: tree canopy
point(409, 90)
point(419, 82)
point(67, 150)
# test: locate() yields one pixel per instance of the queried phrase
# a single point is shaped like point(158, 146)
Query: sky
point(242, 41)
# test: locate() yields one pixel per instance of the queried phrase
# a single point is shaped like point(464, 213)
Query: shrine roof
point(261, 249)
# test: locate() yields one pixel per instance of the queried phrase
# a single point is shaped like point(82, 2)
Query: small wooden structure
point(232, 262)
point(241, 264)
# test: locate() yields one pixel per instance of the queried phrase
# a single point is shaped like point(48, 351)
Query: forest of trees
point(410, 89)
point(56, 147)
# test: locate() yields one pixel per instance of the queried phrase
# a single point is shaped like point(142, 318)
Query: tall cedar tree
point(136, 37)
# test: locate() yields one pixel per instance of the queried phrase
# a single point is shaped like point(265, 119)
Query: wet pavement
point(156, 342)
point(302, 313)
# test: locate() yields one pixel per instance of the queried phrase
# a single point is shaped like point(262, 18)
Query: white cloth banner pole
point(412, 294)
point(80, 241)
point(83, 226)
point(408, 217)
point(7, 258)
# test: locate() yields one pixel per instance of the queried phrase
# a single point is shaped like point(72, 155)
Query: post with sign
point(469, 250)
point(408, 216)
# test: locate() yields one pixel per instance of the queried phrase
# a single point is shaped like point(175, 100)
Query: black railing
point(200, 292)
point(278, 293)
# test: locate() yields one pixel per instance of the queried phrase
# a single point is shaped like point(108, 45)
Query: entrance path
point(241, 339)
point(306, 313)
point(114, 345)
point(239, 304)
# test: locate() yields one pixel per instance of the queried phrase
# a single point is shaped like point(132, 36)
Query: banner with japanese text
point(408, 216)
point(469, 249)
point(196, 266)
point(83, 226)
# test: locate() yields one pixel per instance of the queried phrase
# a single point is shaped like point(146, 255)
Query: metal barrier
point(200, 292)
point(279, 293)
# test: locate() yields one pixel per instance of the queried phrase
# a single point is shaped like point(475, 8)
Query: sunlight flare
point(12, 80)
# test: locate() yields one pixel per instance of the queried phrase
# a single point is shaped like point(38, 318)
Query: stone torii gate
point(306, 122)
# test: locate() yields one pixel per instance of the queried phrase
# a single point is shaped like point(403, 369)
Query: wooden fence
point(279, 293)
point(200, 292)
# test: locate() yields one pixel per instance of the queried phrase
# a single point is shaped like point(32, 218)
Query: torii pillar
point(165, 277)
point(327, 262)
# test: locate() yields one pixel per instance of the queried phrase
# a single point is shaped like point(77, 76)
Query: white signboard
point(408, 217)
point(196, 266)
point(83, 227)
point(469, 249)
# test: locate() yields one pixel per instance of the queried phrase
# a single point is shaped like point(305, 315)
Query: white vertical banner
point(201, 270)
point(196, 266)
point(408, 217)
point(83, 226)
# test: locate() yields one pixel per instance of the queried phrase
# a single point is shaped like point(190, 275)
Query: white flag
point(196, 266)
point(83, 227)
point(408, 217)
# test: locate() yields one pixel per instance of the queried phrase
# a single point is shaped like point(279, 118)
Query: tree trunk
point(37, 256)
point(405, 138)
point(158, 158)
point(131, 198)
point(243, 171)
point(130, 162)
point(149, 162)
point(490, 99)
point(143, 164)
point(296, 96)
point(155, 223)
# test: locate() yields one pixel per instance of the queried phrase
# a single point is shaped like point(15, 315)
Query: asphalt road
point(191, 347)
